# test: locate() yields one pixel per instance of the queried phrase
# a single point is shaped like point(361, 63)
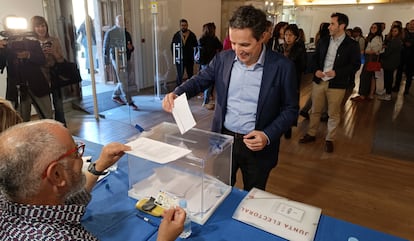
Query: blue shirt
point(243, 95)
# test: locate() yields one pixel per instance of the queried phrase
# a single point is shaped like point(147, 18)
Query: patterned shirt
point(21, 222)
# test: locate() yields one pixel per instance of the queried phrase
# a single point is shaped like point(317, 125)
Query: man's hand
point(255, 140)
point(172, 224)
point(110, 154)
point(319, 74)
point(168, 102)
point(330, 73)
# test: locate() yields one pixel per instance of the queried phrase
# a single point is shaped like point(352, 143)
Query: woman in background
point(304, 112)
point(390, 59)
point(53, 54)
point(208, 45)
point(278, 38)
point(372, 51)
point(294, 49)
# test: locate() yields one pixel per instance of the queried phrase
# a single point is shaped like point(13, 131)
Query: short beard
point(77, 181)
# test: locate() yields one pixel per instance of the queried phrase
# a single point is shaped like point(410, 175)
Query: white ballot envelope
point(182, 114)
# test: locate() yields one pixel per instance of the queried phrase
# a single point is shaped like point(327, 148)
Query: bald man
point(43, 189)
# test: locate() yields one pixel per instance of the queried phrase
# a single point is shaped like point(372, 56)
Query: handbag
point(374, 66)
point(64, 74)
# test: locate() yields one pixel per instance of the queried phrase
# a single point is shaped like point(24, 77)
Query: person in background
point(407, 58)
point(336, 58)
point(295, 50)
point(390, 59)
point(302, 36)
point(268, 32)
point(43, 191)
point(256, 99)
point(304, 112)
point(185, 41)
point(348, 32)
point(53, 53)
point(8, 115)
point(276, 42)
point(359, 37)
point(372, 51)
point(26, 83)
point(84, 41)
point(226, 42)
point(209, 46)
point(119, 38)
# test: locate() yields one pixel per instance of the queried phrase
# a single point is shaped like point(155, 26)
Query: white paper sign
point(278, 215)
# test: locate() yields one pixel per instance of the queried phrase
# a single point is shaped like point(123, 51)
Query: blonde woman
point(53, 53)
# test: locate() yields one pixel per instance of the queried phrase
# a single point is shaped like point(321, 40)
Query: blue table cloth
point(111, 215)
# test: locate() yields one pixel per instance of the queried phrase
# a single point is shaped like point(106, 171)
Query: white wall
point(310, 17)
point(20, 8)
point(200, 12)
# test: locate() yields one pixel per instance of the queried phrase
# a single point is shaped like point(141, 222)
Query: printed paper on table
point(278, 215)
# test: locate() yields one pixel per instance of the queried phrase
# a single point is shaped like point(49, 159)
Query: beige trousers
point(320, 94)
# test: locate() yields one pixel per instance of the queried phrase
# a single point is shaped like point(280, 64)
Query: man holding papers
point(256, 99)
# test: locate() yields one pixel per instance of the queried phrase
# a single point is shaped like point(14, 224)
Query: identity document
point(278, 215)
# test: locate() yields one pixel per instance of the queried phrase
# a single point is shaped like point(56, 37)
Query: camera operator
point(53, 54)
point(26, 84)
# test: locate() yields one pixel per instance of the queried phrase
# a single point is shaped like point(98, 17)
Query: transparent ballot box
point(199, 172)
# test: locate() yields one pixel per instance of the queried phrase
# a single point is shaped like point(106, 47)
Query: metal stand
point(26, 93)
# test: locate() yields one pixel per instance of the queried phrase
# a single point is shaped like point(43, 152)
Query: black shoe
point(133, 106)
point(304, 114)
point(329, 146)
point(288, 134)
point(306, 139)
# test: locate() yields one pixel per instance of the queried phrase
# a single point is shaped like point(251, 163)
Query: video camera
point(16, 29)
point(15, 35)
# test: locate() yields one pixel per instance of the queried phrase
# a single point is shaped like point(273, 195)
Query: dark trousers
point(388, 79)
point(58, 105)
point(188, 66)
point(365, 82)
point(254, 172)
point(409, 72)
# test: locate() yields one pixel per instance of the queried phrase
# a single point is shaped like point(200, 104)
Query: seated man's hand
point(172, 224)
point(110, 154)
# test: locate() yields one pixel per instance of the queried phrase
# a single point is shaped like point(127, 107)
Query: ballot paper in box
point(195, 166)
point(277, 215)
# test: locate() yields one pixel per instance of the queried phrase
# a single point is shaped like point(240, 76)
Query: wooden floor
point(351, 184)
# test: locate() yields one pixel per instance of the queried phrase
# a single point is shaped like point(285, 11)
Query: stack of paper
point(277, 215)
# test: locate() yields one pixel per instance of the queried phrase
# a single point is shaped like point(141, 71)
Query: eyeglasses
point(78, 150)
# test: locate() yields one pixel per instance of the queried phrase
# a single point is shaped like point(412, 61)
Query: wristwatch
point(92, 169)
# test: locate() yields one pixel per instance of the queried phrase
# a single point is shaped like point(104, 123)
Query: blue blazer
point(277, 108)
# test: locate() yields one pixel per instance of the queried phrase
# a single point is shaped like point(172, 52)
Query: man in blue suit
point(256, 99)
